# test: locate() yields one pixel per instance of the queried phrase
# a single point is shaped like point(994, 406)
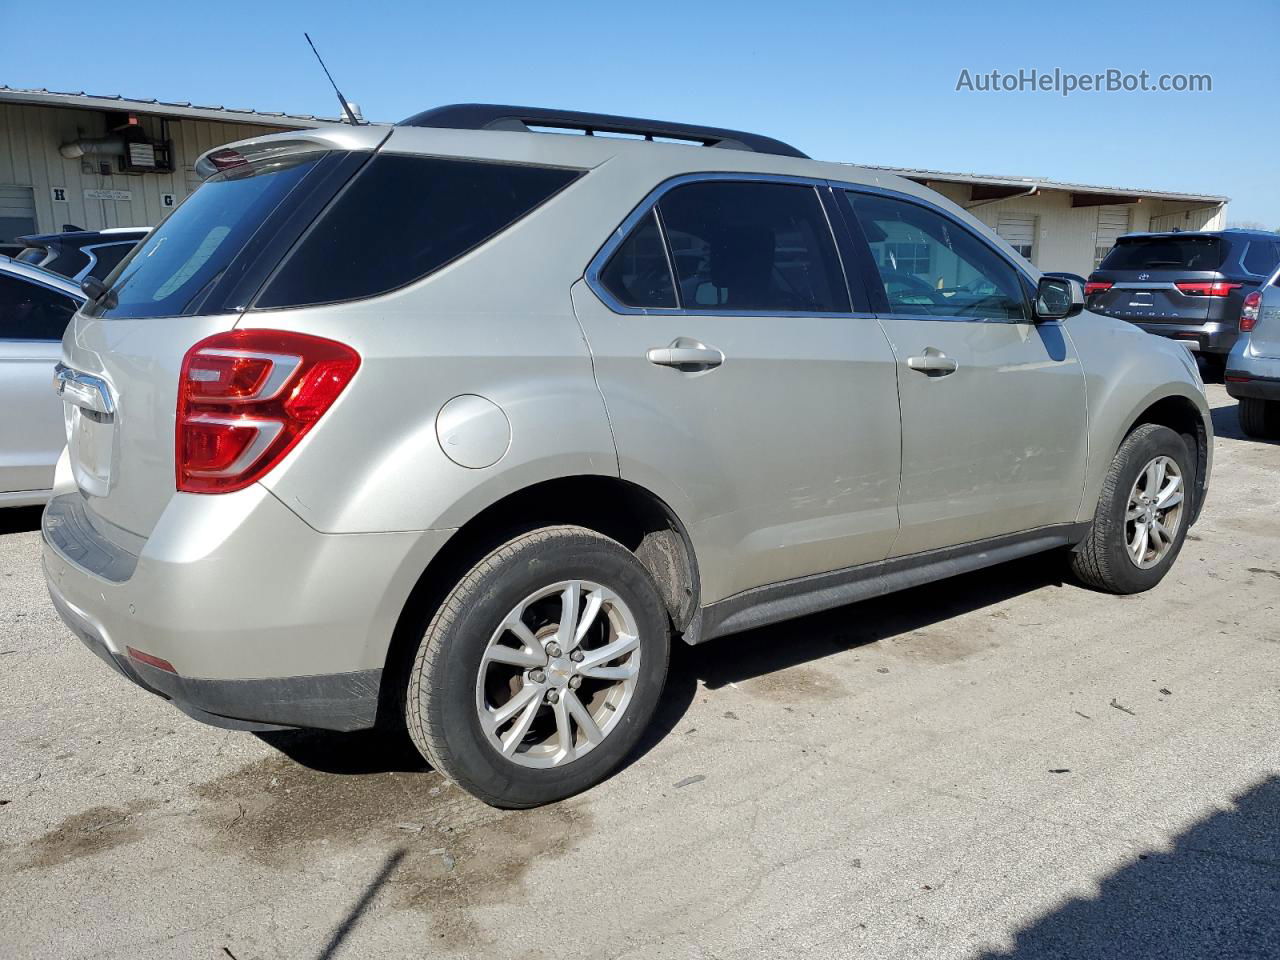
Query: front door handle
point(685, 354)
point(933, 363)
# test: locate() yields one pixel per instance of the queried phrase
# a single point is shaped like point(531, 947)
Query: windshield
point(1165, 253)
point(175, 267)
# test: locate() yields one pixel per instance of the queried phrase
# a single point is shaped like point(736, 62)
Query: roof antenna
point(346, 106)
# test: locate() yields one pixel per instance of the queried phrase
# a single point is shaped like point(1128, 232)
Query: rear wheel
point(541, 669)
point(1260, 418)
point(1142, 516)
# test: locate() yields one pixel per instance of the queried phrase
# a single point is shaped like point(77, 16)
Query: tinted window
point(1261, 257)
point(931, 266)
point(403, 217)
point(1165, 253)
point(181, 258)
point(753, 246)
point(109, 256)
point(638, 274)
point(29, 311)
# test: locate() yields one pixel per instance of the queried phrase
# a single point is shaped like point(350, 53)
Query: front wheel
point(1142, 516)
point(541, 669)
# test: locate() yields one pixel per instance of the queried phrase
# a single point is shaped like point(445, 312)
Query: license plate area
point(91, 442)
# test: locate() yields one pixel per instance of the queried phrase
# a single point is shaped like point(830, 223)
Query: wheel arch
point(631, 514)
point(1181, 415)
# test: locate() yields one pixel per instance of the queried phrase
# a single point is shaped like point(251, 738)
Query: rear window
point(183, 257)
point(402, 218)
point(1165, 253)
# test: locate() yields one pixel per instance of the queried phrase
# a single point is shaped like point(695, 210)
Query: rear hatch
point(1161, 278)
point(190, 279)
point(1264, 341)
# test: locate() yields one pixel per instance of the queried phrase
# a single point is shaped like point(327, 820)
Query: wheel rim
point(1154, 512)
point(558, 674)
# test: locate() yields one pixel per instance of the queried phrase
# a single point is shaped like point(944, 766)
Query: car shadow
point(757, 653)
point(1214, 892)
point(1226, 423)
point(20, 519)
point(715, 664)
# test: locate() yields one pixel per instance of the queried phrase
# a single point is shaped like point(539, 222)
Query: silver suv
point(454, 425)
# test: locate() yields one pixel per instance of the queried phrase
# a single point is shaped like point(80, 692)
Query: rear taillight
point(1097, 286)
point(1249, 311)
point(1215, 288)
point(247, 397)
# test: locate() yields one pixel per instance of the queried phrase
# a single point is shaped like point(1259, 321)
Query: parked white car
point(35, 307)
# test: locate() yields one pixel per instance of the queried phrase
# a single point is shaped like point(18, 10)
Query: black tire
point(1103, 561)
point(440, 705)
point(1260, 418)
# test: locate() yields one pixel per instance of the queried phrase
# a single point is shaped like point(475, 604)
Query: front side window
point(930, 266)
point(638, 273)
point(752, 247)
point(29, 311)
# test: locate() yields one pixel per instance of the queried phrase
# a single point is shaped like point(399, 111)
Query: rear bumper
point(1259, 388)
point(1212, 337)
point(1250, 376)
point(266, 622)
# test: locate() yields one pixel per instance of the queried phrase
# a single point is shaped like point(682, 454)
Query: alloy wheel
point(1154, 512)
point(558, 674)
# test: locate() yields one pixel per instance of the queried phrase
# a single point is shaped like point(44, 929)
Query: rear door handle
point(933, 363)
point(687, 354)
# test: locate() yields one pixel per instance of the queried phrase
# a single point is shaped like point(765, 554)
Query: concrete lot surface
point(1004, 765)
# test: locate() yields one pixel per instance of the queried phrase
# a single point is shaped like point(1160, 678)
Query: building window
point(907, 257)
point(1019, 231)
point(1113, 222)
point(17, 214)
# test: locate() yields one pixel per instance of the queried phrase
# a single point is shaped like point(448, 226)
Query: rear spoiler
point(293, 143)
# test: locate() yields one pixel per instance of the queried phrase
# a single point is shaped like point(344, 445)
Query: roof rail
point(492, 116)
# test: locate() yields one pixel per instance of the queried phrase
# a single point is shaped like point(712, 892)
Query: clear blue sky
point(843, 82)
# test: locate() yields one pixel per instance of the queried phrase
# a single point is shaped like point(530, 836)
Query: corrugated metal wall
point(1065, 238)
point(29, 141)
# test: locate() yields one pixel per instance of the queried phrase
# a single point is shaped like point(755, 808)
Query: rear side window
point(1261, 257)
point(1165, 253)
point(183, 258)
point(29, 311)
point(758, 247)
point(638, 274)
point(108, 257)
point(403, 217)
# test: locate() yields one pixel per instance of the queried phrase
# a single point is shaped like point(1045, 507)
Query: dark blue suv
point(1187, 286)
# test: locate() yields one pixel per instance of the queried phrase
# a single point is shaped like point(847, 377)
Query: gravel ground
point(1004, 765)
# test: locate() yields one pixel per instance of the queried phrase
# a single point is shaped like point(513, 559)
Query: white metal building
point(1069, 226)
point(98, 161)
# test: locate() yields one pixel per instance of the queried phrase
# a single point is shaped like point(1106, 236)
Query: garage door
point(1113, 222)
point(17, 212)
point(1019, 232)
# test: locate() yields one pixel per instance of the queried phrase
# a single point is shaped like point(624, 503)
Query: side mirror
point(1058, 298)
